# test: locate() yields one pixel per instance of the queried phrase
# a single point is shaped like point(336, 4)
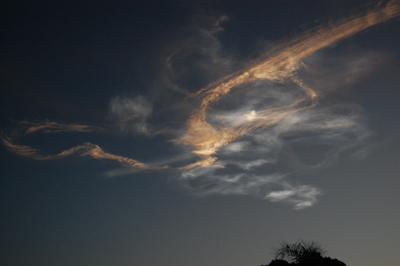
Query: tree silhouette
point(299, 252)
point(302, 253)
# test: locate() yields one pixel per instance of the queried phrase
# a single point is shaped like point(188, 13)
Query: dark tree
point(302, 253)
point(299, 251)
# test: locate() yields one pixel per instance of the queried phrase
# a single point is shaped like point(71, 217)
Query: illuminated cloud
point(86, 149)
point(249, 131)
point(289, 119)
point(280, 65)
point(47, 126)
point(23, 150)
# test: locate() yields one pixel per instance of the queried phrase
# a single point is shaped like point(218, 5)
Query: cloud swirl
point(250, 129)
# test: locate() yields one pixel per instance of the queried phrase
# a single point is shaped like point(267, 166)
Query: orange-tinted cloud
point(279, 65)
point(206, 134)
point(86, 149)
point(51, 126)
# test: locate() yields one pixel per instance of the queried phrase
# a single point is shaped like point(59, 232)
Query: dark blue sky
point(118, 151)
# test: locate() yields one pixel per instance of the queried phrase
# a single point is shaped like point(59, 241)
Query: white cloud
point(301, 196)
point(131, 115)
point(252, 164)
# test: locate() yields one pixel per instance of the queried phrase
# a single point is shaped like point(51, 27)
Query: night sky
point(198, 132)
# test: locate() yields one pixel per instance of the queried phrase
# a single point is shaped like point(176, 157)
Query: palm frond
point(298, 251)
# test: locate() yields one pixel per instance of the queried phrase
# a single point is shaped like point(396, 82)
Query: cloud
point(84, 150)
point(243, 132)
point(329, 74)
point(197, 57)
point(301, 196)
point(206, 181)
point(280, 65)
point(131, 115)
point(290, 118)
point(23, 150)
point(48, 126)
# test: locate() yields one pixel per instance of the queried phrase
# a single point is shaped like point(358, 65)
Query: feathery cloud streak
point(280, 66)
point(289, 119)
point(249, 125)
point(86, 149)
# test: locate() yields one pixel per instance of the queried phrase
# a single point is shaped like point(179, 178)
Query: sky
point(198, 132)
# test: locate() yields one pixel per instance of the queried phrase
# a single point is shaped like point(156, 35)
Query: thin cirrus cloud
point(47, 126)
point(252, 129)
point(85, 149)
point(280, 66)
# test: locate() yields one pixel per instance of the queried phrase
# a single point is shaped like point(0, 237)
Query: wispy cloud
point(249, 131)
point(291, 118)
point(85, 149)
point(47, 126)
point(301, 196)
point(131, 114)
point(280, 66)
